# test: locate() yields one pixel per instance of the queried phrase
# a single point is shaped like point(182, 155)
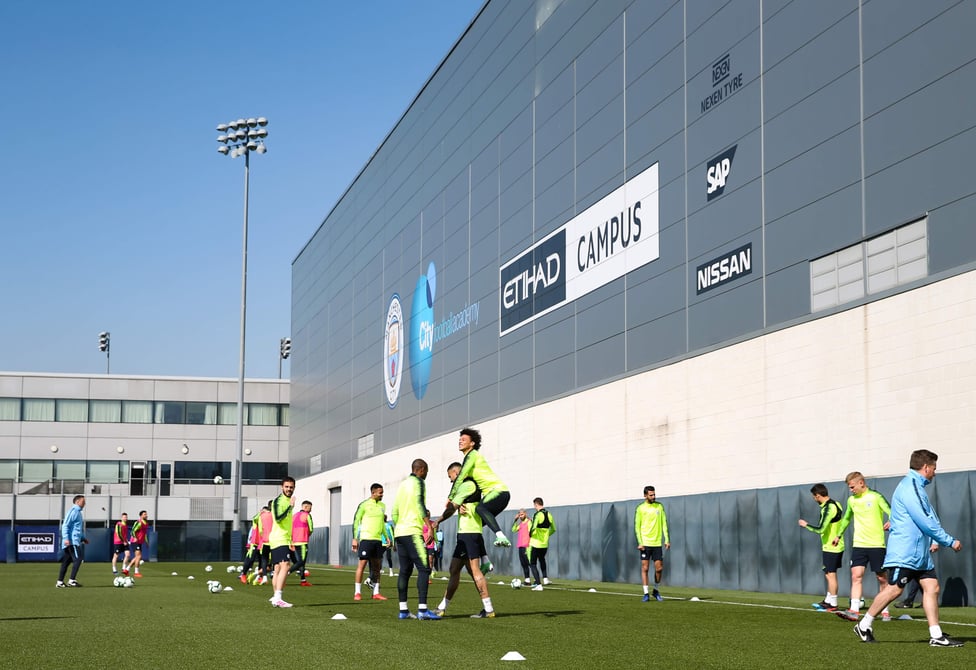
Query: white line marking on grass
point(763, 605)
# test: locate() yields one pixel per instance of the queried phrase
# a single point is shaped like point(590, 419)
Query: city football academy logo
point(422, 331)
point(393, 351)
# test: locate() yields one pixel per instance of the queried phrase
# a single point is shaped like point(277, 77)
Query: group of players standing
point(127, 543)
point(915, 534)
point(477, 496)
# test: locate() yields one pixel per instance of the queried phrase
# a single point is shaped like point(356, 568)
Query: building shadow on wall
point(609, 548)
point(955, 593)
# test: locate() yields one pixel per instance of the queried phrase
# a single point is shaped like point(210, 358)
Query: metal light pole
point(240, 138)
point(284, 352)
point(105, 344)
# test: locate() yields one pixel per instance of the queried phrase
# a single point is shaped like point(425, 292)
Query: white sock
point(487, 603)
point(831, 599)
point(646, 587)
point(359, 587)
point(935, 632)
point(500, 535)
point(376, 587)
point(403, 606)
point(277, 595)
point(866, 621)
point(444, 603)
point(856, 604)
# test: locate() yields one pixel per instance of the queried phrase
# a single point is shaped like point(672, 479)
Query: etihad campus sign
point(614, 236)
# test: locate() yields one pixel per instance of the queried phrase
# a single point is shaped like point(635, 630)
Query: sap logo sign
point(718, 172)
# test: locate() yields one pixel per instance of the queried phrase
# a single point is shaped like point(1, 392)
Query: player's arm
point(885, 510)
point(925, 518)
point(664, 529)
point(357, 522)
point(845, 520)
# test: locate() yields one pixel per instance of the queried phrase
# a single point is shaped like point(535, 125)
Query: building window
point(9, 409)
point(170, 412)
point(71, 410)
point(137, 411)
point(107, 472)
point(883, 262)
point(227, 413)
point(201, 413)
point(262, 415)
point(285, 415)
point(38, 409)
point(69, 470)
point(105, 411)
point(263, 473)
point(364, 446)
point(36, 471)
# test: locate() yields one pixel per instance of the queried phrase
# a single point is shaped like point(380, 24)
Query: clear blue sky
point(117, 211)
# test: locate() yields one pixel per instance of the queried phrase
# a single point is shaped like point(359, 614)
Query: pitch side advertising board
point(615, 235)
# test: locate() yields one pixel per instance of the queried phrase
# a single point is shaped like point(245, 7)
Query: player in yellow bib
point(867, 509)
point(494, 494)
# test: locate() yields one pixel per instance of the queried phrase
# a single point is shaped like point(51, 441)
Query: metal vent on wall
point(206, 509)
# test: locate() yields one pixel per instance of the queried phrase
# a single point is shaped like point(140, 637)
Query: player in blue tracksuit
point(914, 526)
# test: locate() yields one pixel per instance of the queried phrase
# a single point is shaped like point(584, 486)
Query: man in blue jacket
point(914, 526)
point(73, 536)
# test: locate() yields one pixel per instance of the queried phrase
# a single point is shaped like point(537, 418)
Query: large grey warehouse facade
point(724, 248)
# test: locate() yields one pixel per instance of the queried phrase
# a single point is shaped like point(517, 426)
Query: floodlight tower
point(240, 138)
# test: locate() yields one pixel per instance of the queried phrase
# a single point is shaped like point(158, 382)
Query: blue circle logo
point(422, 331)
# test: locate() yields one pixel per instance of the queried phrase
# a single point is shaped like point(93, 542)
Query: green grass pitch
point(170, 622)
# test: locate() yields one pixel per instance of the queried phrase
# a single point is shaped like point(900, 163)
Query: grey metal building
point(721, 247)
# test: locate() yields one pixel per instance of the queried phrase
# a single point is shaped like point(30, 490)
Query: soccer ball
point(128, 582)
point(215, 587)
point(516, 583)
point(209, 568)
point(307, 573)
point(231, 568)
point(118, 581)
point(218, 480)
point(240, 568)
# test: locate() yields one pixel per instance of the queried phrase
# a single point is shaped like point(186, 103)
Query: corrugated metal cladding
point(586, 190)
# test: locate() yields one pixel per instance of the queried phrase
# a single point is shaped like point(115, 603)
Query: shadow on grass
point(35, 618)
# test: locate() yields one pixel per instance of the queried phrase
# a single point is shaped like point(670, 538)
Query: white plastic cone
point(339, 617)
point(513, 656)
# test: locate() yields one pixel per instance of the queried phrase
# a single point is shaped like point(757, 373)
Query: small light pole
point(284, 352)
point(104, 344)
point(240, 138)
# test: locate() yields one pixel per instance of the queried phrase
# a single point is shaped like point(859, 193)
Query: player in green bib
point(280, 539)
point(470, 543)
point(494, 494)
point(368, 526)
point(410, 515)
point(831, 552)
point(867, 509)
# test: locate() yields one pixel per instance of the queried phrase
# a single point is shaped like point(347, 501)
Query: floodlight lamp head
point(241, 123)
point(262, 121)
point(252, 146)
point(252, 122)
point(222, 128)
point(232, 125)
point(262, 149)
point(261, 132)
point(222, 138)
point(223, 149)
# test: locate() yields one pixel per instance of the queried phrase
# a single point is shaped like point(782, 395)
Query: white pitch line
point(763, 605)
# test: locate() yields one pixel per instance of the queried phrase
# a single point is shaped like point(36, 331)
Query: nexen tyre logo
point(616, 235)
point(718, 171)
